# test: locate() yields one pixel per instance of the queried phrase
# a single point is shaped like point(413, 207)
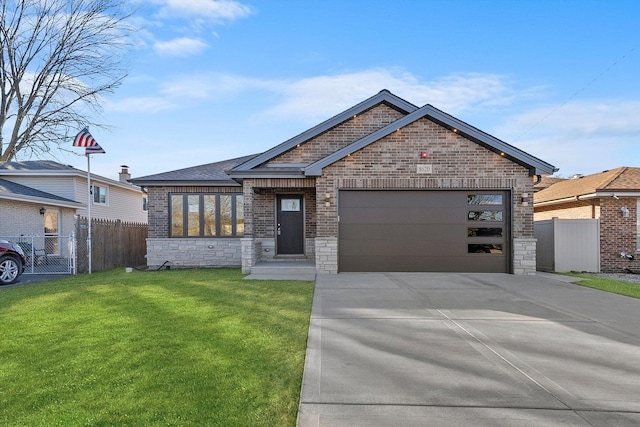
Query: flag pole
point(89, 202)
point(84, 139)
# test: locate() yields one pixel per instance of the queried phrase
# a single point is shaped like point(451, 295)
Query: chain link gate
point(47, 254)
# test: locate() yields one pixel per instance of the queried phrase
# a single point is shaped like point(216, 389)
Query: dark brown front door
point(290, 224)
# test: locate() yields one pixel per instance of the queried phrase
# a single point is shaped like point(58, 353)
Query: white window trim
point(106, 196)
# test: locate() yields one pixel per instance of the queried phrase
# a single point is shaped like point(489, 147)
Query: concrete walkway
point(431, 349)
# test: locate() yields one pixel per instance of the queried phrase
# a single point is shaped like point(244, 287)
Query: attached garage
point(424, 230)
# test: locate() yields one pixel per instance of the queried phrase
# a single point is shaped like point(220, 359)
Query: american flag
point(84, 139)
point(94, 149)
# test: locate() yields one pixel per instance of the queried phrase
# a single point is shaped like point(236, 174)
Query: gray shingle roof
point(210, 173)
point(12, 188)
point(35, 165)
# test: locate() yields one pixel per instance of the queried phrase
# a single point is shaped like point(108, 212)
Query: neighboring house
point(382, 186)
point(39, 197)
point(613, 197)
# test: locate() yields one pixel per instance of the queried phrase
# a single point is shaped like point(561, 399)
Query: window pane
point(484, 249)
point(484, 199)
point(209, 215)
point(225, 215)
point(193, 205)
point(177, 215)
point(99, 194)
point(485, 216)
point(484, 232)
point(239, 215)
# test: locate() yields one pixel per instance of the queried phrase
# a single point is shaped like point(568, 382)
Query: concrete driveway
point(431, 349)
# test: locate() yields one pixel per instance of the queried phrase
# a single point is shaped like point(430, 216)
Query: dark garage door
point(444, 231)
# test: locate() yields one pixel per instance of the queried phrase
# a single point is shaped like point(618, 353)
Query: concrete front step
point(283, 270)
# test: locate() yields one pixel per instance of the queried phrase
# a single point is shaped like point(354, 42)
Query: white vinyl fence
point(568, 245)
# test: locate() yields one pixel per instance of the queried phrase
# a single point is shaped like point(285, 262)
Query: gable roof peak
point(384, 96)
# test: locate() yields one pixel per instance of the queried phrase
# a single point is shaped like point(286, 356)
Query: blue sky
point(211, 80)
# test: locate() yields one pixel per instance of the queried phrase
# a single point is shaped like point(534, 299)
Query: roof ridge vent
point(577, 176)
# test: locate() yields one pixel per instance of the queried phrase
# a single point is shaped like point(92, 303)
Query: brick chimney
point(125, 176)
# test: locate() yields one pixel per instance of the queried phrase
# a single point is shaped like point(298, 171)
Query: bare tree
point(57, 59)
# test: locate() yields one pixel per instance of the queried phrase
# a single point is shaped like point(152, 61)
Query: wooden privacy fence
point(113, 244)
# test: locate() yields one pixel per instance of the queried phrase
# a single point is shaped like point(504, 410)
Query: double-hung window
point(207, 215)
point(100, 195)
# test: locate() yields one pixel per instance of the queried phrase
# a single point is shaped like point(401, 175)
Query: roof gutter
point(591, 196)
point(556, 202)
point(615, 194)
point(40, 200)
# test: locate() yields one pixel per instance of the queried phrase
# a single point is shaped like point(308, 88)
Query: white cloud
point(579, 137)
point(180, 47)
point(149, 104)
point(316, 98)
point(212, 10)
point(323, 96)
point(211, 86)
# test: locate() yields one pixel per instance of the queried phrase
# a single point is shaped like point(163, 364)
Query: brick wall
point(18, 218)
point(340, 136)
point(264, 211)
point(457, 164)
point(618, 234)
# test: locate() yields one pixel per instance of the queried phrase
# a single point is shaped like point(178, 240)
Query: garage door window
point(485, 216)
point(476, 248)
point(484, 199)
point(484, 232)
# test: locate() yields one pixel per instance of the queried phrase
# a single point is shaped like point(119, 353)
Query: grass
point(609, 285)
point(170, 348)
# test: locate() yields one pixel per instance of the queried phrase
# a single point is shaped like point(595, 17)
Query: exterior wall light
point(42, 211)
point(625, 212)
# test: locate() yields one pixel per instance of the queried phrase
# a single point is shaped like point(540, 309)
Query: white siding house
point(111, 199)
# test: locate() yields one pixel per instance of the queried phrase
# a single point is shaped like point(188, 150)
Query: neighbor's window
point(100, 194)
point(145, 204)
point(206, 215)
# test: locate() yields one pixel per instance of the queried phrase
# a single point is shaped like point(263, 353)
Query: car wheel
point(9, 270)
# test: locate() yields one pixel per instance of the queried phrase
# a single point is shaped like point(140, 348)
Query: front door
point(290, 224)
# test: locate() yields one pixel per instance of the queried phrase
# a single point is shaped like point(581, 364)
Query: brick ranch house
point(613, 197)
point(382, 186)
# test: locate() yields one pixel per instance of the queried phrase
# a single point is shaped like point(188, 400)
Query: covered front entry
point(424, 230)
point(290, 224)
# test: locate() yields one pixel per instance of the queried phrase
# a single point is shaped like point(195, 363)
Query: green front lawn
point(609, 285)
point(170, 348)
